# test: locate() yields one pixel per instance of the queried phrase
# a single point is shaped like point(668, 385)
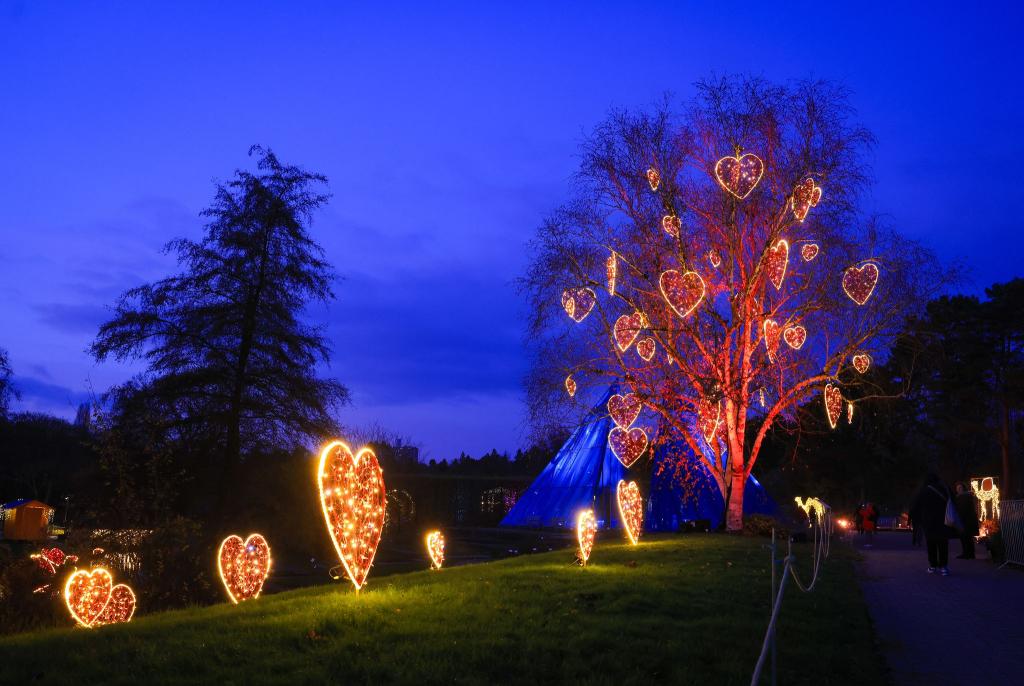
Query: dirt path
point(967, 628)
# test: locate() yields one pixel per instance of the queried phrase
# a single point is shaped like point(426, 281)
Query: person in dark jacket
point(928, 512)
point(967, 508)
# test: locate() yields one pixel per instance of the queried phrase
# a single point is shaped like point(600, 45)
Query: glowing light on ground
point(435, 549)
point(586, 532)
point(93, 600)
point(987, 493)
point(631, 509)
point(243, 566)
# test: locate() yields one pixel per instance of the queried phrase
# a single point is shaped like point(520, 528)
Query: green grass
point(686, 610)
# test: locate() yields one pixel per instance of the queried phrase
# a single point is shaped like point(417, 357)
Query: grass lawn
point(679, 609)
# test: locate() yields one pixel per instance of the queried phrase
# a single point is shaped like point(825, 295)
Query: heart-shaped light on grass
point(611, 270)
point(86, 594)
point(776, 262)
point(809, 251)
point(645, 348)
point(627, 328)
point(806, 195)
point(586, 532)
point(624, 409)
point(653, 179)
point(570, 386)
point(120, 609)
point(739, 175)
point(709, 415)
point(671, 224)
point(861, 362)
point(352, 497)
point(683, 291)
point(833, 404)
point(578, 302)
point(795, 336)
point(772, 331)
point(631, 509)
point(627, 445)
point(859, 282)
point(243, 566)
point(435, 549)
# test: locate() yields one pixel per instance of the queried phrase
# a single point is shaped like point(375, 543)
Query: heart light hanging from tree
point(776, 262)
point(352, 497)
point(653, 179)
point(646, 348)
point(120, 609)
point(243, 565)
point(795, 336)
point(624, 409)
point(709, 416)
point(714, 258)
point(861, 362)
point(809, 251)
point(435, 549)
point(86, 594)
point(578, 302)
point(671, 224)
point(683, 291)
point(586, 532)
point(627, 445)
point(833, 404)
point(859, 282)
point(739, 175)
point(849, 412)
point(570, 386)
point(627, 328)
point(806, 195)
point(631, 509)
point(611, 270)
point(772, 331)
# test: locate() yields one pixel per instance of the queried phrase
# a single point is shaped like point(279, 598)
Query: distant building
point(26, 520)
point(409, 454)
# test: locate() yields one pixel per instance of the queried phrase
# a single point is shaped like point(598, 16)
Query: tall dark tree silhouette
point(6, 389)
point(226, 350)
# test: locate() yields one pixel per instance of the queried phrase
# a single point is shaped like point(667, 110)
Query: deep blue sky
point(447, 134)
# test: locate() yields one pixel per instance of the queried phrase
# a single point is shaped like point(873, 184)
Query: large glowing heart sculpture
point(578, 302)
point(859, 282)
point(631, 509)
point(776, 262)
point(739, 175)
point(795, 336)
point(772, 331)
point(833, 404)
point(683, 291)
point(624, 409)
point(861, 362)
point(120, 608)
point(627, 444)
point(627, 328)
point(809, 251)
point(645, 348)
point(435, 549)
point(806, 195)
point(86, 594)
point(352, 496)
point(586, 531)
point(243, 566)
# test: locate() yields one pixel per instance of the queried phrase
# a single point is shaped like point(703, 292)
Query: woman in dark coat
point(928, 511)
point(967, 508)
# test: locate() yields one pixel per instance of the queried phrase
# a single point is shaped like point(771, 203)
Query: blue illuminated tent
point(585, 472)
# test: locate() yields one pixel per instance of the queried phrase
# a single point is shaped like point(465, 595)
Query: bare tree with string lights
point(716, 262)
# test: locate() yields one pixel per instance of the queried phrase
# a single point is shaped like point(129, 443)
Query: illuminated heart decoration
point(849, 413)
point(771, 337)
point(586, 532)
point(120, 609)
point(809, 251)
point(631, 509)
point(795, 336)
point(709, 415)
point(671, 224)
point(806, 195)
point(629, 445)
point(859, 282)
point(570, 386)
point(682, 291)
point(435, 548)
point(49, 559)
point(611, 269)
point(653, 179)
point(714, 258)
point(627, 328)
point(833, 404)
point(624, 409)
point(86, 594)
point(646, 348)
point(578, 302)
point(776, 261)
point(739, 175)
point(352, 496)
point(244, 566)
point(861, 362)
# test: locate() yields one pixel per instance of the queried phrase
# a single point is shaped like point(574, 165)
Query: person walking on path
point(928, 511)
point(967, 508)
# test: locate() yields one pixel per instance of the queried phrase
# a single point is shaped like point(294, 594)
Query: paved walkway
point(967, 628)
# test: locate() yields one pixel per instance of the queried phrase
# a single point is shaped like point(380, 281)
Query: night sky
point(447, 136)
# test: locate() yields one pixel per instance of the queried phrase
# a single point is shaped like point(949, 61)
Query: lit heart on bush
point(627, 445)
point(795, 336)
point(86, 594)
point(586, 532)
point(646, 348)
point(435, 549)
point(631, 509)
point(859, 282)
point(578, 302)
point(833, 404)
point(570, 386)
point(653, 179)
point(739, 175)
point(683, 291)
point(671, 224)
point(627, 328)
point(809, 251)
point(861, 362)
point(244, 566)
point(806, 195)
point(624, 409)
point(709, 416)
point(772, 330)
point(776, 261)
point(352, 496)
point(49, 559)
point(120, 609)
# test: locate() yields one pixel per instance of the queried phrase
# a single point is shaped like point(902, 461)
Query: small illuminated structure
point(813, 504)
point(833, 404)
point(586, 531)
point(987, 493)
point(776, 262)
point(243, 566)
point(93, 600)
point(49, 559)
point(631, 509)
point(859, 282)
point(435, 549)
point(739, 175)
point(683, 291)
